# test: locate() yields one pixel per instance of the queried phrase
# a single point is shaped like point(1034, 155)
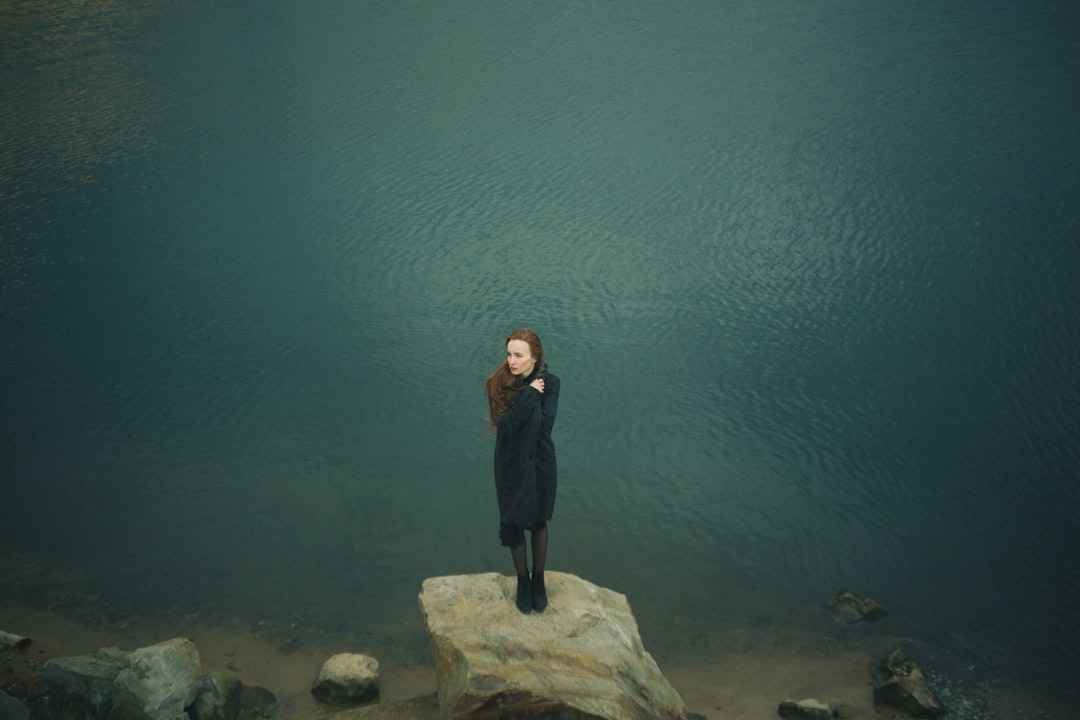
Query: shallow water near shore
point(806, 272)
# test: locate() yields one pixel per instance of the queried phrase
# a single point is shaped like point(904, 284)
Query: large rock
point(84, 683)
point(159, 683)
point(581, 658)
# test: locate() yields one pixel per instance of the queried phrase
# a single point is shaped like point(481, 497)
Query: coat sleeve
point(520, 410)
point(549, 404)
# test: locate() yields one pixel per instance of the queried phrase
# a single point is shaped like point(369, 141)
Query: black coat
point(526, 476)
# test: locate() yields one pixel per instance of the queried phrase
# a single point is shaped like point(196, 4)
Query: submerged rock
point(581, 658)
point(849, 607)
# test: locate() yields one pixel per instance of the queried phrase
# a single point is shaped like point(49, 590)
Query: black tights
point(539, 548)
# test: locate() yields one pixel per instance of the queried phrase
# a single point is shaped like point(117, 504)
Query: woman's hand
point(538, 385)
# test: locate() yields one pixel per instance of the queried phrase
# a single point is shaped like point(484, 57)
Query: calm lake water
point(808, 272)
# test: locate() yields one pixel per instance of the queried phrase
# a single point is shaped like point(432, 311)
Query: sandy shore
point(724, 672)
point(744, 679)
point(731, 686)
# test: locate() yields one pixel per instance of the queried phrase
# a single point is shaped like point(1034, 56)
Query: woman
point(522, 401)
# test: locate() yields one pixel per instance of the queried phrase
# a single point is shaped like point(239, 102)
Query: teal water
point(807, 272)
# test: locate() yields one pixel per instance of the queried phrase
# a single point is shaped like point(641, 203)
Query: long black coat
point(526, 476)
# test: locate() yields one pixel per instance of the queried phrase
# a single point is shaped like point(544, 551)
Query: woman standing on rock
point(522, 401)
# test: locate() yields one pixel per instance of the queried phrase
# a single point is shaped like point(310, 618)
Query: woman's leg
point(539, 547)
point(524, 600)
point(521, 560)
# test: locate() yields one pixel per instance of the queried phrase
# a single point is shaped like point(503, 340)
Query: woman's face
point(519, 358)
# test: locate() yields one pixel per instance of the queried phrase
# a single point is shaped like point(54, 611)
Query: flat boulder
point(581, 658)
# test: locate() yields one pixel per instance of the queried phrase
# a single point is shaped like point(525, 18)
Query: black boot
point(539, 592)
point(524, 593)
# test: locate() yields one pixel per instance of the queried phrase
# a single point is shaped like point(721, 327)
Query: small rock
point(849, 607)
point(809, 709)
point(905, 688)
point(871, 611)
point(347, 678)
point(12, 640)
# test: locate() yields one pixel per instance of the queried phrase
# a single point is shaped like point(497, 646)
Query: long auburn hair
point(500, 386)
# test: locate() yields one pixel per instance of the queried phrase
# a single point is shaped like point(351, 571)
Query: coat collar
point(538, 371)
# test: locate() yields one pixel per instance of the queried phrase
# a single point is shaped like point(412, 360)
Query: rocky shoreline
point(777, 678)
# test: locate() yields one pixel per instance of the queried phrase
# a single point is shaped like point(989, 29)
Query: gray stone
point(12, 640)
point(904, 688)
point(581, 658)
point(159, 683)
point(12, 708)
point(809, 709)
point(218, 697)
point(347, 678)
point(849, 607)
point(84, 680)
